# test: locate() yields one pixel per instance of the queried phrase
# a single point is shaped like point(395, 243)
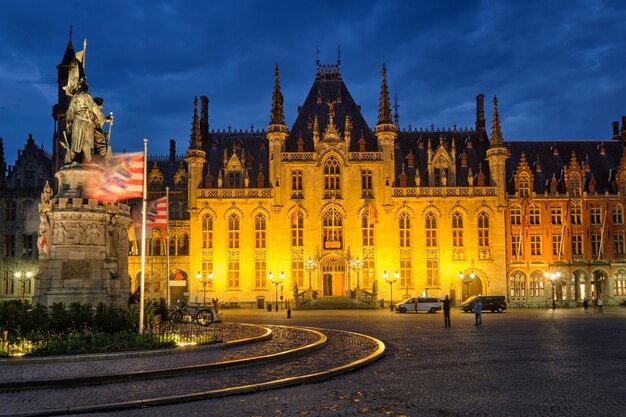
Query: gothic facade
point(333, 205)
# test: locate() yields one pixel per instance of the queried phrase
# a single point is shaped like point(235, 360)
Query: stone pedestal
point(85, 254)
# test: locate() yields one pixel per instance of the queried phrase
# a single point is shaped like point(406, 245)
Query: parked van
point(491, 303)
point(427, 304)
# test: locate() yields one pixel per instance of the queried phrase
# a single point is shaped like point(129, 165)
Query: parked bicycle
point(199, 315)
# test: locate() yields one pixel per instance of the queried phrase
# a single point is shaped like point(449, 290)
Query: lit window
point(516, 215)
point(259, 231)
point(207, 232)
point(404, 228)
point(332, 178)
point(535, 245)
point(556, 215)
point(457, 230)
point(233, 231)
point(483, 229)
point(431, 230)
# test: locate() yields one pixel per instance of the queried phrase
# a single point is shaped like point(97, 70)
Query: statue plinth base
point(86, 258)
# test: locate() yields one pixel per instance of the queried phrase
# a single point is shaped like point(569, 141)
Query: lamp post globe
point(390, 281)
point(357, 265)
point(310, 265)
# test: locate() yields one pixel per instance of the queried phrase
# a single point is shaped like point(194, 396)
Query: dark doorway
point(328, 284)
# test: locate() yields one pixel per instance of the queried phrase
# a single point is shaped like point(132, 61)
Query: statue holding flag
point(84, 136)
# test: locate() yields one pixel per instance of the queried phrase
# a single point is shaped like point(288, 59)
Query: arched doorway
point(471, 287)
point(333, 277)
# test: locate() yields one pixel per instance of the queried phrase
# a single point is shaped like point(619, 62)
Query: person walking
point(478, 309)
point(600, 304)
point(415, 305)
point(446, 312)
point(586, 305)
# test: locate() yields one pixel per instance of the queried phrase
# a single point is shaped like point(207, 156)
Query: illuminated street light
point(276, 282)
point(390, 280)
point(204, 282)
point(22, 277)
point(310, 266)
point(553, 276)
point(357, 265)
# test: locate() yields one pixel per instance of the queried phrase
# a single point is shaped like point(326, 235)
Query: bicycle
point(201, 316)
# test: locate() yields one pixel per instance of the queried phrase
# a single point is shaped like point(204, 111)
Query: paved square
point(519, 363)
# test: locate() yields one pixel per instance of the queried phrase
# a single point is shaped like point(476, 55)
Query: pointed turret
point(497, 155)
point(384, 108)
point(196, 158)
point(386, 133)
point(195, 139)
point(496, 133)
point(277, 115)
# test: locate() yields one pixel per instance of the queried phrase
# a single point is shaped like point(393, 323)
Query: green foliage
point(41, 330)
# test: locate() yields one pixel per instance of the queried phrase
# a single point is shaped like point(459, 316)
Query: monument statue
point(84, 136)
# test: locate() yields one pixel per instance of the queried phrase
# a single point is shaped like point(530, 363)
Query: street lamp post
point(390, 280)
point(204, 283)
point(357, 265)
point(466, 281)
point(310, 266)
point(553, 277)
point(22, 277)
point(277, 282)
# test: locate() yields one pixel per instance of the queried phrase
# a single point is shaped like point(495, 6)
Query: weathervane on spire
point(338, 55)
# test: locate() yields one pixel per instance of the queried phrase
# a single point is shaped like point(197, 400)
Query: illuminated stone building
point(452, 211)
point(565, 220)
point(427, 204)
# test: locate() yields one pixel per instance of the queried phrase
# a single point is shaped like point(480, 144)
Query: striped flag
point(120, 180)
point(156, 214)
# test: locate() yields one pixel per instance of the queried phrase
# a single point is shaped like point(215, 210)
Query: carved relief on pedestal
point(75, 270)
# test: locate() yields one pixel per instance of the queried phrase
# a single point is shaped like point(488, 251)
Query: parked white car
point(426, 304)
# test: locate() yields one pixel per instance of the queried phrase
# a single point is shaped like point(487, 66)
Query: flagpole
point(143, 233)
point(167, 244)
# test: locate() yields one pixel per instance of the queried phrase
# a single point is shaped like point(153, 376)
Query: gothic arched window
point(431, 230)
point(457, 230)
point(233, 231)
point(332, 178)
point(332, 228)
point(207, 232)
point(404, 229)
point(260, 230)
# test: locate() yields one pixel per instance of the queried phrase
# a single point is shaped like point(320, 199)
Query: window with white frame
point(516, 215)
point(535, 245)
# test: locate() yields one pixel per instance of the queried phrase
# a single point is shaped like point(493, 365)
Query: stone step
point(336, 303)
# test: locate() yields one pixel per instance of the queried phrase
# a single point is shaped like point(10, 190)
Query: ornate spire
point(277, 115)
point(384, 109)
point(195, 139)
point(496, 133)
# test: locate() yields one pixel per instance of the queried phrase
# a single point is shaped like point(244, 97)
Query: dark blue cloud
point(557, 67)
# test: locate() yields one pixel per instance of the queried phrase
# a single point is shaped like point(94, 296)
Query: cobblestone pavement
point(519, 363)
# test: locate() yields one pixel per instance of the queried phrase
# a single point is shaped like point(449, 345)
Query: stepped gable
point(253, 144)
point(29, 158)
point(552, 156)
point(415, 142)
point(329, 86)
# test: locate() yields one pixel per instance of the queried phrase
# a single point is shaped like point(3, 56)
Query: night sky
point(558, 68)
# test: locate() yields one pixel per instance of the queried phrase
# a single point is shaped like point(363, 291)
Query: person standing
point(478, 309)
point(446, 312)
point(600, 304)
point(415, 305)
point(586, 305)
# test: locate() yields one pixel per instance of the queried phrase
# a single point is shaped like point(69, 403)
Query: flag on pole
point(156, 216)
point(120, 180)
